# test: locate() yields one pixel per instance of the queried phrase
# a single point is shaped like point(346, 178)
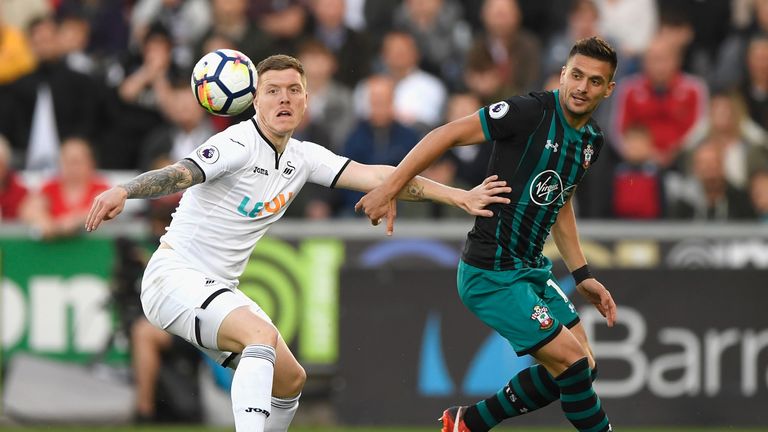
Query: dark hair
point(578, 5)
point(280, 62)
point(596, 48)
point(314, 46)
point(158, 30)
point(38, 20)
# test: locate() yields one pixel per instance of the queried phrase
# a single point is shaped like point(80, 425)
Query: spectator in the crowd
point(60, 206)
point(471, 161)
point(544, 18)
point(678, 30)
point(632, 25)
point(108, 22)
point(662, 98)
point(379, 19)
point(759, 194)
point(12, 189)
point(186, 20)
point(51, 102)
point(330, 102)
point(16, 57)
point(284, 21)
point(419, 96)
point(141, 81)
point(583, 21)
point(187, 126)
point(515, 51)
point(745, 144)
point(378, 138)
point(700, 27)
point(482, 79)
point(230, 21)
point(710, 196)
point(354, 15)
point(351, 48)
point(750, 20)
point(74, 36)
point(440, 32)
point(755, 86)
point(638, 184)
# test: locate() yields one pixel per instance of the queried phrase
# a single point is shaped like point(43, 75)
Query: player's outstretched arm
point(151, 184)
point(379, 202)
point(566, 238)
point(364, 178)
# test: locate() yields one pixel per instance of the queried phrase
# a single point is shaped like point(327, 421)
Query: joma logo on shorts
point(259, 208)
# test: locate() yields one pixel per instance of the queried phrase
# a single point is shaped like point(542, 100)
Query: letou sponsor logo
point(261, 208)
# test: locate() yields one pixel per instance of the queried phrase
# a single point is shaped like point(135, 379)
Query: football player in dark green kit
point(543, 144)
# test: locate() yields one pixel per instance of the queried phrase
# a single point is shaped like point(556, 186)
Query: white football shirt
point(247, 187)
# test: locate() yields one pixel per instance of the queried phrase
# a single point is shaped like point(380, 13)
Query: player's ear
point(609, 91)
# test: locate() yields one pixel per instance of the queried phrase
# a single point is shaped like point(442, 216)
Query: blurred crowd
point(93, 87)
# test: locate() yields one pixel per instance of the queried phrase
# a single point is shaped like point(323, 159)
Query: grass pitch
point(340, 429)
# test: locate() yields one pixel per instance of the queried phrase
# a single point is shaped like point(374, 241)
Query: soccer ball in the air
point(224, 82)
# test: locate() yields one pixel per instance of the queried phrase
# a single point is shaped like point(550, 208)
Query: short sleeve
point(326, 166)
point(511, 117)
point(220, 154)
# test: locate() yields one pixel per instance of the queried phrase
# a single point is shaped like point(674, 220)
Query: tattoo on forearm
point(164, 181)
point(415, 191)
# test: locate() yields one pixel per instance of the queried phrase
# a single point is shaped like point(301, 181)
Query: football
point(224, 82)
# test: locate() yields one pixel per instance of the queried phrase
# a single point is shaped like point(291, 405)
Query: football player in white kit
point(244, 178)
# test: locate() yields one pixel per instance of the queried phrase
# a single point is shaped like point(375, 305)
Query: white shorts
point(190, 304)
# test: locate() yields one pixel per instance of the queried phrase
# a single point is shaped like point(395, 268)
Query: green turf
point(345, 429)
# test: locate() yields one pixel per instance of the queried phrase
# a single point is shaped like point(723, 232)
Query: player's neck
point(576, 122)
point(278, 141)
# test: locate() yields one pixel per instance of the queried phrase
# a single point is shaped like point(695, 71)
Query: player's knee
point(259, 332)
point(296, 381)
point(574, 354)
point(242, 328)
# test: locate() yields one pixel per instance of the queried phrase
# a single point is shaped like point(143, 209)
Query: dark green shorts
point(525, 306)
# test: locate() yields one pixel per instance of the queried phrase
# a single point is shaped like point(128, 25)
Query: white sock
point(252, 388)
point(283, 411)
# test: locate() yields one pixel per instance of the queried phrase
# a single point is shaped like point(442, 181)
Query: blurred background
point(673, 217)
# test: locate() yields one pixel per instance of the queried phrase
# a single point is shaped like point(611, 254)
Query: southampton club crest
point(588, 152)
point(541, 314)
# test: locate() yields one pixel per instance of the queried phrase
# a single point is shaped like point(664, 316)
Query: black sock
point(486, 414)
point(529, 390)
point(580, 404)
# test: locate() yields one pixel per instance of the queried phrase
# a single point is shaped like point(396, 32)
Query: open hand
point(476, 200)
point(599, 296)
point(107, 205)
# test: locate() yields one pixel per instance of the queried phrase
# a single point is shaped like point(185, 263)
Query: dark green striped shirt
point(543, 159)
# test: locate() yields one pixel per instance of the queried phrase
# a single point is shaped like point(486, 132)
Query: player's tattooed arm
point(414, 191)
point(165, 181)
